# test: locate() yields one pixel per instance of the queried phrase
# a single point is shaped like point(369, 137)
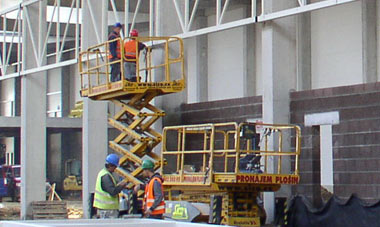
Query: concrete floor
point(100, 222)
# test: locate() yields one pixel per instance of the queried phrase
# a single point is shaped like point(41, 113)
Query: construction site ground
point(11, 210)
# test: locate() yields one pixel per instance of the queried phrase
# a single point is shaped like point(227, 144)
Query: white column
point(279, 77)
point(95, 134)
point(33, 112)
point(95, 146)
point(303, 52)
point(369, 39)
point(196, 60)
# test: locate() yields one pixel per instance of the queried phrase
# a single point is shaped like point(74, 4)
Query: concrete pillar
point(33, 111)
point(169, 26)
point(316, 166)
point(369, 39)
point(196, 59)
point(54, 158)
point(95, 135)
point(279, 77)
point(95, 145)
point(250, 62)
point(303, 52)
point(65, 89)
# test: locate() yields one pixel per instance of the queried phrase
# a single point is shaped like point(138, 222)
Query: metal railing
point(219, 148)
point(95, 63)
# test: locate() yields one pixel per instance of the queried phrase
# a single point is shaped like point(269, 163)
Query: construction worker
point(115, 53)
point(153, 203)
point(106, 198)
point(130, 55)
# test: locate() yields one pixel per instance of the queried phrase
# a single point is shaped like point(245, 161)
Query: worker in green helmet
point(153, 203)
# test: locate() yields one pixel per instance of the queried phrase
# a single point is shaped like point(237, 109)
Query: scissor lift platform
point(232, 162)
point(126, 90)
point(156, 74)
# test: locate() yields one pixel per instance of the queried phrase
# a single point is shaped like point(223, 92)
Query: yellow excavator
point(73, 176)
point(219, 169)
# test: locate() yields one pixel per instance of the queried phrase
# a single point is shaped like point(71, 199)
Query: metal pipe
point(279, 150)
point(3, 60)
point(31, 36)
point(179, 14)
point(218, 10)
point(113, 5)
point(224, 10)
point(158, 18)
point(151, 18)
point(225, 154)
point(126, 17)
point(187, 9)
point(183, 153)
point(204, 154)
point(135, 14)
point(94, 22)
point(11, 44)
point(77, 30)
point(58, 30)
point(266, 157)
point(66, 30)
point(253, 8)
point(192, 15)
point(211, 159)
point(179, 148)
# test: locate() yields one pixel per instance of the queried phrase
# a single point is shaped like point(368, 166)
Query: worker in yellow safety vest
point(153, 203)
point(107, 190)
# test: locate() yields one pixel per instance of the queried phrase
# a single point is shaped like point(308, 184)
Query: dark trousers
point(156, 216)
point(115, 71)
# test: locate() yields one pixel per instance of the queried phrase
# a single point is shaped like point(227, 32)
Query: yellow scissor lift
point(159, 70)
point(228, 165)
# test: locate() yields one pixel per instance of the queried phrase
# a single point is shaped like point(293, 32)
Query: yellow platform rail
point(160, 67)
point(213, 153)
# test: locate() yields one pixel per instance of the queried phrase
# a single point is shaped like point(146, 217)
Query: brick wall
point(356, 140)
point(229, 110)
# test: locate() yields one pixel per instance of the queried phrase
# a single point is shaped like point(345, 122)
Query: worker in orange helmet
point(131, 51)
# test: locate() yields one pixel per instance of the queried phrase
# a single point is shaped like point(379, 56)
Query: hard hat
point(134, 33)
point(118, 25)
point(112, 159)
point(147, 164)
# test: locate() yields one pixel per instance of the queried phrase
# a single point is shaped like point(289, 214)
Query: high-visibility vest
point(149, 197)
point(102, 199)
point(130, 49)
point(118, 50)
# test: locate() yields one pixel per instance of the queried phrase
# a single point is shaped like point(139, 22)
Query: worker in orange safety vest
point(130, 53)
point(153, 203)
point(115, 52)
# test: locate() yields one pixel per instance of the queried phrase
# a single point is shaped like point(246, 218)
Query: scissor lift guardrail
point(229, 160)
